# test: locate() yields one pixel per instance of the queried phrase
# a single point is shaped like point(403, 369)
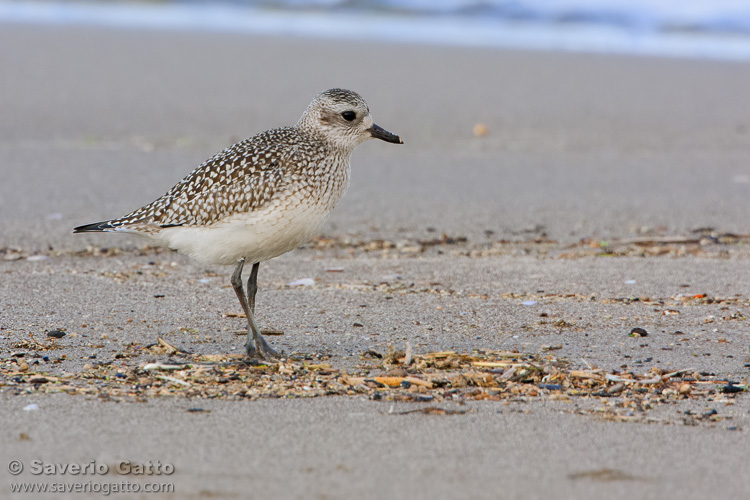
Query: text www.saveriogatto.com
point(122, 468)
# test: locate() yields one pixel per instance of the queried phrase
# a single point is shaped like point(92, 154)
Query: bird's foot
point(259, 348)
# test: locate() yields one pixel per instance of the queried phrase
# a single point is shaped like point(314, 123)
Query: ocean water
point(707, 29)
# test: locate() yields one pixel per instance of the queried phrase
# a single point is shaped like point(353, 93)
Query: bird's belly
point(254, 236)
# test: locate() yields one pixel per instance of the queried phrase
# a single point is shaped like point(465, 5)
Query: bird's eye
point(349, 115)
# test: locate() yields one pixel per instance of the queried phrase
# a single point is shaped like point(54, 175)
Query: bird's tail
point(95, 227)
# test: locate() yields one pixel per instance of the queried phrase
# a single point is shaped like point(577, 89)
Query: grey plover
point(260, 198)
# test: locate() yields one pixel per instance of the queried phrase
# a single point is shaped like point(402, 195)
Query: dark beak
point(384, 135)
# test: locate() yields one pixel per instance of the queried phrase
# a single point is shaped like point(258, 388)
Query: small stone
point(638, 332)
point(480, 130)
point(56, 334)
point(730, 388)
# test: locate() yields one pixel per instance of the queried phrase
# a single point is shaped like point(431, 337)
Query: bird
point(260, 198)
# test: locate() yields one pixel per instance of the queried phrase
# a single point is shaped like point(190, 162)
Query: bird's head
point(343, 118)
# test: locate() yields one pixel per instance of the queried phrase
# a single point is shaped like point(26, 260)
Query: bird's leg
point(252, 287)
point(256, 345)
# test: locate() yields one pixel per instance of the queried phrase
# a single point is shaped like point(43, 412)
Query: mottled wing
point(242, 178)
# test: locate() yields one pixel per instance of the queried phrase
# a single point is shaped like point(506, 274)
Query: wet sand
point(580, 149)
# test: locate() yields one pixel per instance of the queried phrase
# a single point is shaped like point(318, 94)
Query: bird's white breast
point(286, 222)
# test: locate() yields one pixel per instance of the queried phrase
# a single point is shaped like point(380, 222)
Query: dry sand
point(96, 123)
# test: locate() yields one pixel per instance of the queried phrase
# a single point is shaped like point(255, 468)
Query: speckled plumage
point(260, 198)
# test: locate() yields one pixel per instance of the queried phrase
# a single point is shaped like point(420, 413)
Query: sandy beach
point(601, 194)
